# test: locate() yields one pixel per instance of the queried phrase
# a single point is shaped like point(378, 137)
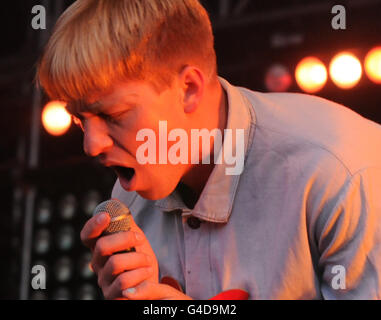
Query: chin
point(152, 195)
point(155, 193)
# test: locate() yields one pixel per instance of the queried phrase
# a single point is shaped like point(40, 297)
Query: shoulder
point(298, 122)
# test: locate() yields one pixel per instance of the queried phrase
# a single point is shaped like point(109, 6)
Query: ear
point(192, 83)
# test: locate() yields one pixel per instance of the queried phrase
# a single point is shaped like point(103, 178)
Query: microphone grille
point(119, 213)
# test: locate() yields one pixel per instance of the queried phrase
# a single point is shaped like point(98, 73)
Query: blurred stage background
point(49, 187)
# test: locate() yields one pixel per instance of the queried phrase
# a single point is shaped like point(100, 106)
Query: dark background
point(247, 35)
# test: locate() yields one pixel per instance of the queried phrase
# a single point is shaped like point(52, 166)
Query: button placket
point(197, 271)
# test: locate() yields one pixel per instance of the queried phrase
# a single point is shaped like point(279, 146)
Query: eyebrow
point(78, 107)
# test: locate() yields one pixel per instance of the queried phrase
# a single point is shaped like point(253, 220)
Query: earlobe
point(190, 107)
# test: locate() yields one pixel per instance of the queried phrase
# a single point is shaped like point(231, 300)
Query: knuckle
point(112, 264)
point(100, 282)
point(100, 247)
point(107, 293)
point(123, 281)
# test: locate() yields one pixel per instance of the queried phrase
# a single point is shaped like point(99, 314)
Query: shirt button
point(193, 222)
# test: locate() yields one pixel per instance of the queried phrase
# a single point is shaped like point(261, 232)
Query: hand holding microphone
point(123, 272)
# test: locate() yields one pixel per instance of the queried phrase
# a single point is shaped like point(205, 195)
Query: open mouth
point(124, 172)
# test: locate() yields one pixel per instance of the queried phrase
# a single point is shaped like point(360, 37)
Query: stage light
point(87, 292)
point(56, 245)
point(42, 241)
point(62, 293)
point(90, 201)
point(63, 269)
point(311, 74)
point(345, 70)
point(55, 118)
point(68, 206)
point(38, 295)
point(278, 78)
point(65, 238)
point(43, 211)
point(84, 266)
point(373, 65)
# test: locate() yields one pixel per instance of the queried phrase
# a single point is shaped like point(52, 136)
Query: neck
point(197, 176)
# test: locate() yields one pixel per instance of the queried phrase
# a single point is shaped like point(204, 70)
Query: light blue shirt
point(302, 221)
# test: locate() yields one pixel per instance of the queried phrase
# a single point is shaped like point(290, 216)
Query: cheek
point(159, 127)
point(126, 133)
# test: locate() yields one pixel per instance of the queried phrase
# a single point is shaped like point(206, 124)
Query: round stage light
point(61, 293)
point(42, 241)
point(345, 70)
point(44, 211)
point(68, 206)
point(55, 119)
point(38, 295)
point(278, 78)
point(65, 238)
point(373, 65)
point(87, 292)
point(90, 201)
point(84, 266)
point(63, 269)
point(311, 74)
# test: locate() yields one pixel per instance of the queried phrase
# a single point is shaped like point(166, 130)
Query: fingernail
point(101, 218)
point(128, 292)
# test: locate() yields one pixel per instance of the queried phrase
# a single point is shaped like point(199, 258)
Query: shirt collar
point(216, 200)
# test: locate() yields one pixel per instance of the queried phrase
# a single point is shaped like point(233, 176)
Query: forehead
point(121, 93)
point(76, 107)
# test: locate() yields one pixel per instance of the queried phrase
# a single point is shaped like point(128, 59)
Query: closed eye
point(111, 118)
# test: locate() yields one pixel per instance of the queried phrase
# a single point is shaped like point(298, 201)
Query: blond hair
point(98, 42)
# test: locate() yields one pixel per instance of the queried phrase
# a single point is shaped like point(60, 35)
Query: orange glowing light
point(311, 74)
point(345, 70)
point(373, 65)
point(55, 119)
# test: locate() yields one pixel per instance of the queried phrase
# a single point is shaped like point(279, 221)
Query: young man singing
point(282, 200)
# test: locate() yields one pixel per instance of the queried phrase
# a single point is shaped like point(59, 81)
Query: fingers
point(148, 290)
point(120, 263)
point(108, 245)
point(117, 271)
point(94, 228)
point(126, 280)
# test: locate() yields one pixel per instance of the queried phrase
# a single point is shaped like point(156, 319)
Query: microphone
point(120, 218)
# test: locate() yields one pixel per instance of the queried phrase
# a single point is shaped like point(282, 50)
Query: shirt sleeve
point(348, 237)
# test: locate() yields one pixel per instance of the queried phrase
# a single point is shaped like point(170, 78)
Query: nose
point(96, 139)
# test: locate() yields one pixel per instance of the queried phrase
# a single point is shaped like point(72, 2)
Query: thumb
point(148, 290)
